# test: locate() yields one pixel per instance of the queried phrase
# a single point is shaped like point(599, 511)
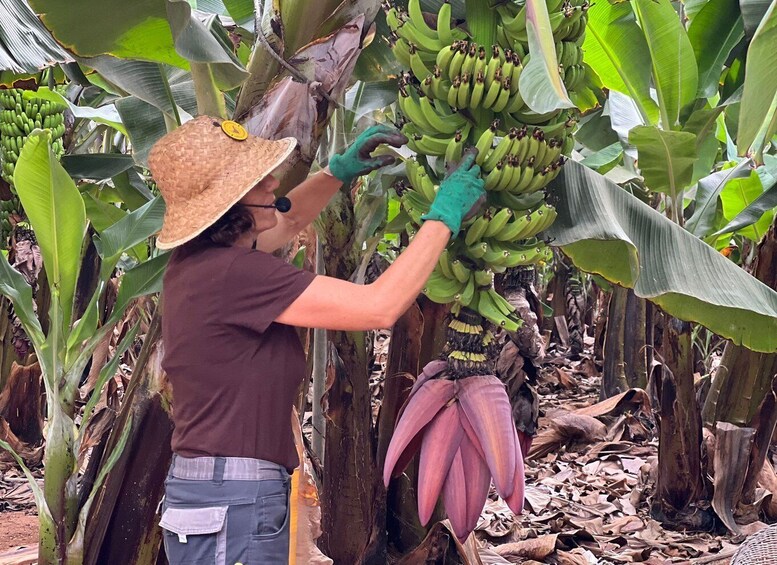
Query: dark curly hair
point(228, 228)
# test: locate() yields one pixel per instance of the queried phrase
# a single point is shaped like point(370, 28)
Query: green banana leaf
point(761, 205)
point(15, 287)
point(144, 279)
point(145, 126)
point(26, 46)
point(606, 231)
point(96, 166)
point(242, 11)
point(106, 114)
point(760, 85)
point(753, 11)
point(205, 42)
point(56, 211)
point(708, 190)
point(132, 190)
point(604, 159)
point(101, 215)
point(540, 83)
point(665, 157)
point(616, 50)
point(132, 30)
point(141, 30)
point(737, 195)
point(129, 231)
point(675, 73)
point(150, 82)
point(714, 32)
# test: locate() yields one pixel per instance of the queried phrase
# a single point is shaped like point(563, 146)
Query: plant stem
point(210, 100)
point(481, 20)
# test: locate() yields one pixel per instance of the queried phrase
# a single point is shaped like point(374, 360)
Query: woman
point(230, 307)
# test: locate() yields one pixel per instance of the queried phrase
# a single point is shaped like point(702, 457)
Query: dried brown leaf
point(633, 400)
point(536, 548)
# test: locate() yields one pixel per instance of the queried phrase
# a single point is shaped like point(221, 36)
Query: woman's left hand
point(357, 160)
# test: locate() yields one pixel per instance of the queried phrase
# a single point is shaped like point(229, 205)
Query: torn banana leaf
point(607, 231)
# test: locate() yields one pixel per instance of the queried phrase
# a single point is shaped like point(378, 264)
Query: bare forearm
point(310, 197)
point(341, 305)
point(399, 286)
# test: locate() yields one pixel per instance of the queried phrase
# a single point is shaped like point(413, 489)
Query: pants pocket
point(270, 545)
point(195, 536)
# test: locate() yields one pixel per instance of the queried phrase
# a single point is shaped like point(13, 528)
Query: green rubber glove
point(460, 194)
point(357, 159)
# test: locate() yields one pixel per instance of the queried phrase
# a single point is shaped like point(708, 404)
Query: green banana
point(456, 146)
point(476, 230)
point(445, 55)
point(447, 123)
point(498, 222)
point(478, 90)
point(484, 278)
point(463, 95)
point(477, 250)
point(501, 150)
point(460, 272)
point(444, 264)
point(468, 293)
point(454, 68)
point(416, 16)
point(485, 142)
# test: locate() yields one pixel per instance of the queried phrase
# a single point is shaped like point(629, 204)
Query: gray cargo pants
point(226, 510)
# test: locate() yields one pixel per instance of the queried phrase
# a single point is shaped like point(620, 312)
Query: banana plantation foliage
point(629, 158)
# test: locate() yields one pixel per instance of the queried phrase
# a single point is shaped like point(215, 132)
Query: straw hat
point(203, 168)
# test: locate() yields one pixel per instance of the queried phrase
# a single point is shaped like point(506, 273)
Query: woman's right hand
point(460, 195)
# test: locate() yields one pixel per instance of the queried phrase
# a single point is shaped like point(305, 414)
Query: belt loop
point(218, 469)
point(170, 471)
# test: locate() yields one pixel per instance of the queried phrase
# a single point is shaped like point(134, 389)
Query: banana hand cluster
point(10, 215)
point(18, 117)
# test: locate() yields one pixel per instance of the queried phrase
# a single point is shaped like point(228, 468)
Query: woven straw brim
point(201, 173)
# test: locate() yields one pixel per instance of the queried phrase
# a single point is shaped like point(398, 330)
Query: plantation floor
point(590, 476)
point(18, 529)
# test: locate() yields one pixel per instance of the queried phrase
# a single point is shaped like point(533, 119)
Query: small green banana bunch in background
point(459, 93)
point(19, 115)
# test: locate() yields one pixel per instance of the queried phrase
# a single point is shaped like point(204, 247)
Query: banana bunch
point(18, 117)
point(568, 19)
point(10, 215)
point(459, 92)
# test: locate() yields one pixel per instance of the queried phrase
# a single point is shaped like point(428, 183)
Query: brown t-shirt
point(234, 371)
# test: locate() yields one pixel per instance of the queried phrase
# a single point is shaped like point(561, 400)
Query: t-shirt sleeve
point(259, 287)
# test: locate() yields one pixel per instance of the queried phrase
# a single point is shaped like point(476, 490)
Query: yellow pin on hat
point(234, 130)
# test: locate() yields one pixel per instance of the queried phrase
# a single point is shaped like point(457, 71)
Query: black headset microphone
point(281, 204)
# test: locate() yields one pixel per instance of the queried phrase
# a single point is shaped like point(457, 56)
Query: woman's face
point(263, 193)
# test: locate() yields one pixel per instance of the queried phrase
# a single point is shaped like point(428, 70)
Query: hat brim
point(186, 220)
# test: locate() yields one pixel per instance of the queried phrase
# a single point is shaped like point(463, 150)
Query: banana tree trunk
point(744, 377)
point(353, 501)
point(679, 484)
point(627, 344)
point(404, 530)
point(122, 526)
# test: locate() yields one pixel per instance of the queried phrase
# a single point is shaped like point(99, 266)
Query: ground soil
point(17, 529)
